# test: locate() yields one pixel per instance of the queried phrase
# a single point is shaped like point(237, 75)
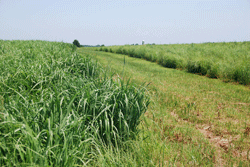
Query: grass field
point(58, 108)
point(192, 120)
point(229, 61)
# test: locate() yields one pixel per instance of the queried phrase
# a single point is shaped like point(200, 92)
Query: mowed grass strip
point(192, 120)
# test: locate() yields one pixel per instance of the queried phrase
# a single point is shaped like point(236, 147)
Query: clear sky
point(119, 22)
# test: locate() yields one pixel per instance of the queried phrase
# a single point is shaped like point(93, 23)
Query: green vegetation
point(229, 61)
point(192, 120)
point(59, 108)
point(76, 43)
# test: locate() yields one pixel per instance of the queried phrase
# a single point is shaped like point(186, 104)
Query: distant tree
point(102, 45)
point(136, 44)
point(77, 43)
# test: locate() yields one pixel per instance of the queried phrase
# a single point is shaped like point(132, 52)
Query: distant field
point(228, 61)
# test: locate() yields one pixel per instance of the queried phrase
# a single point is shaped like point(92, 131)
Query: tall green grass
point(229, 61)
point(59, 108)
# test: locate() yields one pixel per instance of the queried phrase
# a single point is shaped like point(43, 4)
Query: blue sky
point(119, 22)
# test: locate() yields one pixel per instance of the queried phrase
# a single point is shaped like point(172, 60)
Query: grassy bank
point(191, 121)
point(229, 61)
point(59, 108)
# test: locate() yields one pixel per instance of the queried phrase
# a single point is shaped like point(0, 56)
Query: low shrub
point(105, 49)
point(242, 74)
point(140, 53)
point(168, 62)
point(119, 50)
point(131, 52)
point(213, 72)
point(198, 67)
